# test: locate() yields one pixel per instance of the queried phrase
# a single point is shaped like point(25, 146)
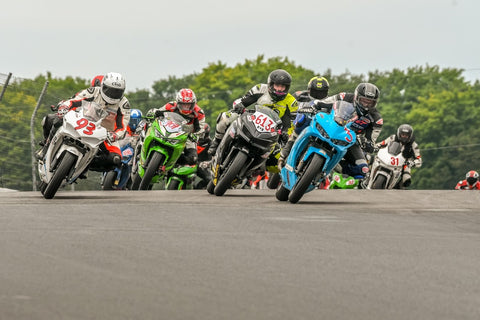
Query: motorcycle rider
point(368, 125)
point(273, 94)
point(317, 88)
point(185, 104)
point(110, 96)
point(471, 182)
point(203, 169)
point(411, 152)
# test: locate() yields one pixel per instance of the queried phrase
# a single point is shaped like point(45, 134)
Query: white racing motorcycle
point(387, 167)
point(72, 148)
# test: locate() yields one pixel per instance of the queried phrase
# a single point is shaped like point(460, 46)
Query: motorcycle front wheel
point(60, 174)
point(380, 182)
point(109, 180)
point(225, 181)
point(313, 168)
point(153, 165)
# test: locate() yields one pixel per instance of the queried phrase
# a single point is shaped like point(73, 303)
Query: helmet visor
point(113, 93)
point(471, 180)
point(404, 137)
point(185, 107)
point(367, 103)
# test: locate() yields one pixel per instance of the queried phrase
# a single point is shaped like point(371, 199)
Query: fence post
point(32, 136)
point(5, 85)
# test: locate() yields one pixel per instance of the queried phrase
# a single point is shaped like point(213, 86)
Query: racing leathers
point(116, 122)
point(367, 126)
point(464, 185)
point(196, 119)
point(258, 95)
point(411, 153)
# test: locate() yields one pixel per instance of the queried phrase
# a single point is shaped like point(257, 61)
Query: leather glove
point(284, 137)
point(62, 110)
point(111, 137)
point(158, 113)
point(281, 163)
point(369, 147)
point(150, 114)
point(417, 163)
point(239, 108)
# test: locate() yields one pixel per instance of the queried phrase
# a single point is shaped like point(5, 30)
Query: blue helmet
point(135, 118)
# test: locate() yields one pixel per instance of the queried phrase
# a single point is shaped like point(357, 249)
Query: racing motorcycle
point(244, 148)
point(119, 178)
point(181, 177)
point(317, 150)
point(387, 167)
point(72, 148)
point(161, 146)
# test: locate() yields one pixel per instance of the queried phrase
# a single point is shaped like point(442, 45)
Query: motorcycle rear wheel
point(312, 169)
point(282, 193)
point(60, 174)
point(210, 187)
point(230, 174)
point(274, 181)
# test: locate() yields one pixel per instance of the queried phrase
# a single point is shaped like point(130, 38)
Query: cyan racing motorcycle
point(317, 150)
point(244, 148)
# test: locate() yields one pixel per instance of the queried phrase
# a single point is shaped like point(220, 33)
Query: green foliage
point(440, 105)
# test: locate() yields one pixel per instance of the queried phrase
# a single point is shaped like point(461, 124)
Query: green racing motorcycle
point(161, 146)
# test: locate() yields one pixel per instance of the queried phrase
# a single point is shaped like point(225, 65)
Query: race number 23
point(84, 123)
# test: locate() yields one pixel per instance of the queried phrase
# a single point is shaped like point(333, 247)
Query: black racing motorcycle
point(244, 148)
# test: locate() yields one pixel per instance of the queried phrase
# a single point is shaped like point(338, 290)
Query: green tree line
point(440, 104)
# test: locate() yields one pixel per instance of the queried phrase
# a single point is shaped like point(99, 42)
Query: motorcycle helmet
point(186, 100)
point(365, 97)
point(278, 76)
point(318, 87)
point(112, 88)
point(135, 118)
point(97, 81)
point(472, 177)
point(405, 133)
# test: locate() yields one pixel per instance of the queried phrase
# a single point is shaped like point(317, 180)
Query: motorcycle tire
point(153, 165)
point(174, 184)
point(282, 193)
point(109, 180)
point(314, 166)
point(135, 181)
point(380, 182)
point(210, 187)
point(274, 181)
point(225, 181)
point(60, 174)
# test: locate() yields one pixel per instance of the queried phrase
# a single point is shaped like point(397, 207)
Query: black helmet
point(365, 97)
point(278, 76)
point(318, 87)
point(405, 133)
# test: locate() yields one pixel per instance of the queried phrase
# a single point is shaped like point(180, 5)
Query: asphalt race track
point(337, 254)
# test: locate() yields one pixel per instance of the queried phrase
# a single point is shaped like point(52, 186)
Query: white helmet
point(113, 87)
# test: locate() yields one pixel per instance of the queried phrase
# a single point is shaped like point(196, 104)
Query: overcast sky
point(148, 40)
